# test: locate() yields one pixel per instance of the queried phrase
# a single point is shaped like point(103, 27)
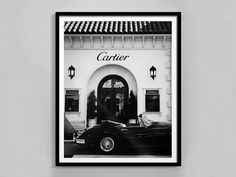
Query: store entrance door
point(112, 99)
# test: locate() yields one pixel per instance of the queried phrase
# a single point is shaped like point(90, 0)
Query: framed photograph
point(118, 89)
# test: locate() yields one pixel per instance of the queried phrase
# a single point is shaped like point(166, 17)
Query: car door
point(157, 136)
point(134, 135)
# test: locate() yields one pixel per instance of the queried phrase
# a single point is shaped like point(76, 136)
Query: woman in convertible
point(144, 121)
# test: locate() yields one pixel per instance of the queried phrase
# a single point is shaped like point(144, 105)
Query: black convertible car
point(112, 136)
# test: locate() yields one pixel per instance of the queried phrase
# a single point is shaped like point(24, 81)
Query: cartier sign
point(104, 56)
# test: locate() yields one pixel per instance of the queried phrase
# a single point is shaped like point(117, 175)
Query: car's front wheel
point(107, 144)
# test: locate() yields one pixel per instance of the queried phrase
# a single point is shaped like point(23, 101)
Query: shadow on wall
point(68, 129)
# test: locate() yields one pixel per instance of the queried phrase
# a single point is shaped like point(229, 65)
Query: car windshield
point(113, 123)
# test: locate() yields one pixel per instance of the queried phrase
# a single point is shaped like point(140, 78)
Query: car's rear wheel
point(107, 144)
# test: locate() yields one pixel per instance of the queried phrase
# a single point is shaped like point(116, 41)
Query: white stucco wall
point(135, 70)
point(27, 106)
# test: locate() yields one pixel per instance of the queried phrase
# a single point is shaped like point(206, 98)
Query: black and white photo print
point(118, 88)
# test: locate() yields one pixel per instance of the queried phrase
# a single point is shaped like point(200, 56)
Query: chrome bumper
point(80, 141)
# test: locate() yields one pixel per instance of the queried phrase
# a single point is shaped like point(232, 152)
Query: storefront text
point(103, 56)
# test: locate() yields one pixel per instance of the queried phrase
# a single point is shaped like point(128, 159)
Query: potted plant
point(91, 109)
point(132, 108)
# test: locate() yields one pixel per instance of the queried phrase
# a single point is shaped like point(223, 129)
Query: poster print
point(117, 88)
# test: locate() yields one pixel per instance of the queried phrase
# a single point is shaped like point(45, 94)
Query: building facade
point(117, 70)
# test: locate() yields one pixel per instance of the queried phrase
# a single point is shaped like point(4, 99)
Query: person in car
point(144, 121)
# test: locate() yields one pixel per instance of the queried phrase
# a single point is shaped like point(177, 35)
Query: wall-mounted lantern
point(153, 72)
point(71, 72)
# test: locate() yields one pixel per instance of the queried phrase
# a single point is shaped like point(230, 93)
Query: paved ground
point(72, 149)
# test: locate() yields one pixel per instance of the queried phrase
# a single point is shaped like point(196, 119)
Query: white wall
point(27, 108)
point(85, 63)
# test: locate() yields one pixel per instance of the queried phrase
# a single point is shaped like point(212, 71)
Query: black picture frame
point(176, 17)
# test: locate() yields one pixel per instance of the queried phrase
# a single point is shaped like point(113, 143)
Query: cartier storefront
point(116, 70)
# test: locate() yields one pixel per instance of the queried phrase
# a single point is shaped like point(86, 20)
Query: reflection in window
point(152, 101)
point(120, 99)
point(113, 83)
point(107, 84)
point(72, 101)
point(118, 84)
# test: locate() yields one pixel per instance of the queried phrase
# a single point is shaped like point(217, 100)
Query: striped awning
point(117, 27)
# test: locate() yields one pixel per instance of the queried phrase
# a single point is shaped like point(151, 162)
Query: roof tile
point(117, 27)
